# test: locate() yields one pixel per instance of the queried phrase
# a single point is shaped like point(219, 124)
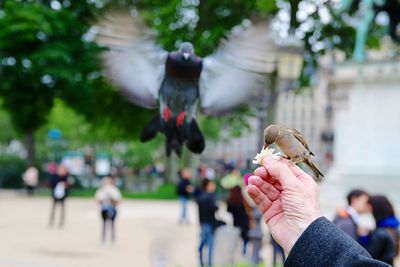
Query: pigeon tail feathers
point(195, 141)
point(151, 129)
point(176, 135)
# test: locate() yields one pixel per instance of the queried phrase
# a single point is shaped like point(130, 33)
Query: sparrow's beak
point(186, 55)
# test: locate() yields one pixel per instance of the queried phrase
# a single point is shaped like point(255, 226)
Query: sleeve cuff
point(322, 244)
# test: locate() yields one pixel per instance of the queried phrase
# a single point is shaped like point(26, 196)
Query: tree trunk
point(266, 111)
point(262, 117)
point(30, 146)
point(294, 7)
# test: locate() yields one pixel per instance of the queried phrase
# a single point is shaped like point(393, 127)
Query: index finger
point(263, 173)
point(280, 170)
point(297, 171)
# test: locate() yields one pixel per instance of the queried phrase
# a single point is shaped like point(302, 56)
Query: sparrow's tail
point(317, 173)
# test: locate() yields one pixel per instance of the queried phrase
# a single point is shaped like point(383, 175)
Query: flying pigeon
point(175, 82)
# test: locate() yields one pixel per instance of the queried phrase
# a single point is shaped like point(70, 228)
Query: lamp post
point(289, 65)
point(290, 60)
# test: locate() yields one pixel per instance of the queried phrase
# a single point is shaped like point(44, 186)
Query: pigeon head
point(271, 133)
point(186, 49)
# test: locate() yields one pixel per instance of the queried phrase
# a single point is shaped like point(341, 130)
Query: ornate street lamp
point(290, 59)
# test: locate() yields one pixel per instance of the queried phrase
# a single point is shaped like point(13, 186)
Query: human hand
point(288, 198)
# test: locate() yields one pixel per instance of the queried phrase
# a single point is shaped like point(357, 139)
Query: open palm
point(287, 197)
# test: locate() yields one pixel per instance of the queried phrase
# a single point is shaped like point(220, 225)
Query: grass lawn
point(165, 191)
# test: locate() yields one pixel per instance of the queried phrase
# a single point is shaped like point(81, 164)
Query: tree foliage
point(77, 133)
point(203, 23)
point(43, 55)
point(46, 53)
point(7, 132)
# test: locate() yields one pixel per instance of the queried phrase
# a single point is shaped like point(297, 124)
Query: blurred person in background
point(277, 252)
point(307, 238)
point(202, 171)
point(256, 236)
point(184, 190)
point(207, 205)
point(59, 185)
point(237, 206)
point(348, 219)
point(383, 242)
point(31, 179)
point(108, 196)
point(51, 168)
point(247, 168)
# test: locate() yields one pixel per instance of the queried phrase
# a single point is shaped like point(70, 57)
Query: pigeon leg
point(166, 114)
point(180, 119)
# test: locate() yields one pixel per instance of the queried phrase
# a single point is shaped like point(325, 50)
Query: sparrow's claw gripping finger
point(297, 171)
point(279, 170)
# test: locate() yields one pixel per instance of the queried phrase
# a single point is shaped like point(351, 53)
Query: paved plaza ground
point(147, 234)
point(147, 231)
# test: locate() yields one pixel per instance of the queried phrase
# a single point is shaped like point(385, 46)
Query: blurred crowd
point(382, 242)
point(246, 218)
point(60, 181)
point(224, 188)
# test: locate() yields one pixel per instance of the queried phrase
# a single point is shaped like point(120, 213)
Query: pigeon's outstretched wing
point(238, 69)
point(134, 63)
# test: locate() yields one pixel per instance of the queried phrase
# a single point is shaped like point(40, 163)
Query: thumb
point(297, 171)
point(280, 170)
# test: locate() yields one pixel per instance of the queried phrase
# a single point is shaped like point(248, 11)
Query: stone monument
point(366, 125)
point(363, 95)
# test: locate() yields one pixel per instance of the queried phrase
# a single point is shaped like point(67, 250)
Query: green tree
point(44, 54)
point(78, 133)
point(7, 132)
point(201, 22)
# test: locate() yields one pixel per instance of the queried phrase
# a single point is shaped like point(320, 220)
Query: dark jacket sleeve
point(323, 244)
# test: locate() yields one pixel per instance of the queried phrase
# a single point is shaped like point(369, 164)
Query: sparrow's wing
point(299, 138)
point(133, 62)
point(238, 69)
